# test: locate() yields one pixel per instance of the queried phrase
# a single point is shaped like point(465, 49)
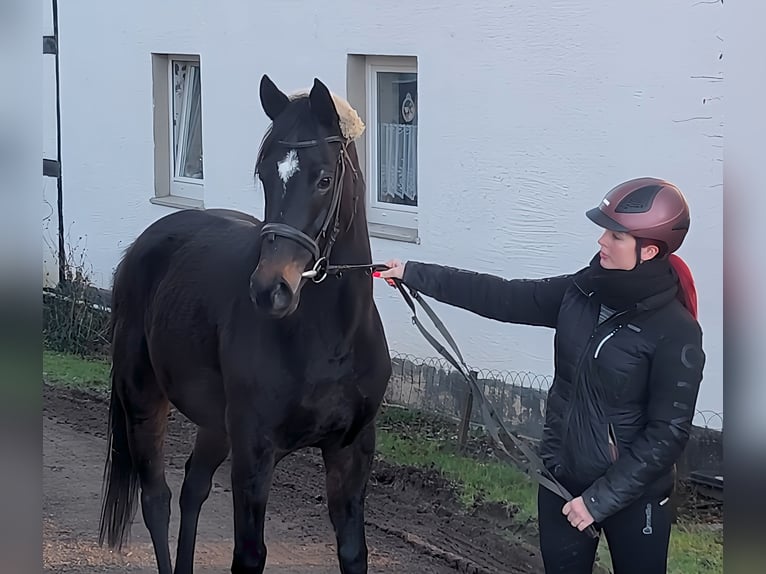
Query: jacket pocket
point(612, 383)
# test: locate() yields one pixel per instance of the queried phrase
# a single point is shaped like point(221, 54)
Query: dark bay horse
point(220, 315)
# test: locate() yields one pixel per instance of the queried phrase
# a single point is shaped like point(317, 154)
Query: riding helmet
point(648, 208)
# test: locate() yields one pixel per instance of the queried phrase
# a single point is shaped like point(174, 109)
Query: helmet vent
point(639, 201)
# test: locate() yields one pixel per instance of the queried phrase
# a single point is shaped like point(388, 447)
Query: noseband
point(331, 222)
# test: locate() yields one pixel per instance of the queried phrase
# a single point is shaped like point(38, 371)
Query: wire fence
point(520, 398)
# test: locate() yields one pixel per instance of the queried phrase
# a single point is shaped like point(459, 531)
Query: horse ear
point(323, 106)
point(273, 100)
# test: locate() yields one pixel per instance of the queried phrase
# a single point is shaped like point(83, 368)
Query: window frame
point(169, 190)
point(386, 219)
point(180, 186)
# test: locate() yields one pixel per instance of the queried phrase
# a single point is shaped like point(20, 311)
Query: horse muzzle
point(274, 288)
point(275, 299)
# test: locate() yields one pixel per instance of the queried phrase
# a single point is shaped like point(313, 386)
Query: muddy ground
point(414, 522)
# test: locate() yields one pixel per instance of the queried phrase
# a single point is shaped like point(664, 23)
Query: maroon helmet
point(648, 208)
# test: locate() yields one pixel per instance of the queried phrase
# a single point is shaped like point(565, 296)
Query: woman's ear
point(649, 252)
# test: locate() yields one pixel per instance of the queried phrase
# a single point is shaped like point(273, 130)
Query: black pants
point(638, 538)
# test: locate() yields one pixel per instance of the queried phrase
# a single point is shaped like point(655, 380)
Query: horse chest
point(319, 350)
point(326, 397)
point(322, 409)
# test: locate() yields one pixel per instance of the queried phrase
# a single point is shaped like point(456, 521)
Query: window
point(179, 168)
point(186, 123)
point(387, 95)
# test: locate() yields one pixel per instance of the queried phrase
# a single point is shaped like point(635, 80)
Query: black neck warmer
point(620, 289)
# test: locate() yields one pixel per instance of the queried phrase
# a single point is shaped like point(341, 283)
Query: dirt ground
point(414, 522)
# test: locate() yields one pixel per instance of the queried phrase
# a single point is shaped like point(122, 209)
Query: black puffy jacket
point(624, 392)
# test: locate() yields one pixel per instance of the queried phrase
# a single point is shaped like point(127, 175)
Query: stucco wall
point(528, 115)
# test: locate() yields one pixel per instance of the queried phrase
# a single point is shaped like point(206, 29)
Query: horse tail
point(121, 482)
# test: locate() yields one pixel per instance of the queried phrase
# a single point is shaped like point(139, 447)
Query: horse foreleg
point(348, 470)
point(252, 468)
point(210, 450)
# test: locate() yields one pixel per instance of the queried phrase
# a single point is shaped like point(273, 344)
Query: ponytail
point(687, 292)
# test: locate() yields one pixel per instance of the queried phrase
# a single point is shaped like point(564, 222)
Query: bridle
point(330, 228)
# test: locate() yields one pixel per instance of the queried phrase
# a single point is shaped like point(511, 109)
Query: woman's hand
point(577, 514)
point(395, 271)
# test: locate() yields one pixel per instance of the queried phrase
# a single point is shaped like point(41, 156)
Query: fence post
point(466, 422)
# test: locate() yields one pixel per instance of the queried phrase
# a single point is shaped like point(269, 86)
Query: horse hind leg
point(147, 440)
point(138, 421)
point(210, 450)
point(347, 472)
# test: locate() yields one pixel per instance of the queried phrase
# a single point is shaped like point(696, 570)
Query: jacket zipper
point(604, 340)
point(585, 353)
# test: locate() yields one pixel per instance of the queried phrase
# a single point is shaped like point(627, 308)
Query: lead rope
point(535, 469)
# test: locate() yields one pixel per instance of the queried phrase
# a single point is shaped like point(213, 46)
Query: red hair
point(687, 292)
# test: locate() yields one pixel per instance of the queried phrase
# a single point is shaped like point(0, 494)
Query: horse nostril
point(261, 297)
point(281, 296)
point(274, 297)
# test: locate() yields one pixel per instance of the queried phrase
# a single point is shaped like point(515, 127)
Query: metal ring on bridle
point(318, 272)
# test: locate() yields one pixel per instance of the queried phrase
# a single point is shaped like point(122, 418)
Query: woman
point(628, 365)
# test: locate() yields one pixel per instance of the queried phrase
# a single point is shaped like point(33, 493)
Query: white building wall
point(528, 115)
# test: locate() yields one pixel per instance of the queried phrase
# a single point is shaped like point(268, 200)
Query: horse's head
point(303, 164)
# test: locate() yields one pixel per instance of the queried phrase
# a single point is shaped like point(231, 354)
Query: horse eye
point(324, 184)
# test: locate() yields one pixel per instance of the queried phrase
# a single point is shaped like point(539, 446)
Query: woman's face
point(618, 250)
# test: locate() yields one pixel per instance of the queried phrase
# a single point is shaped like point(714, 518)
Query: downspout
point(59, 182)
point(52, 168)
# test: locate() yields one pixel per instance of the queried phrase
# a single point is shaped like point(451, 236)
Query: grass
point(74, 372)
point(695, 548)
point(404, 438)
point(476, 481)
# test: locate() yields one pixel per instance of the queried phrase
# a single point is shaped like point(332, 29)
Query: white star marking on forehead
point(288, 166)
